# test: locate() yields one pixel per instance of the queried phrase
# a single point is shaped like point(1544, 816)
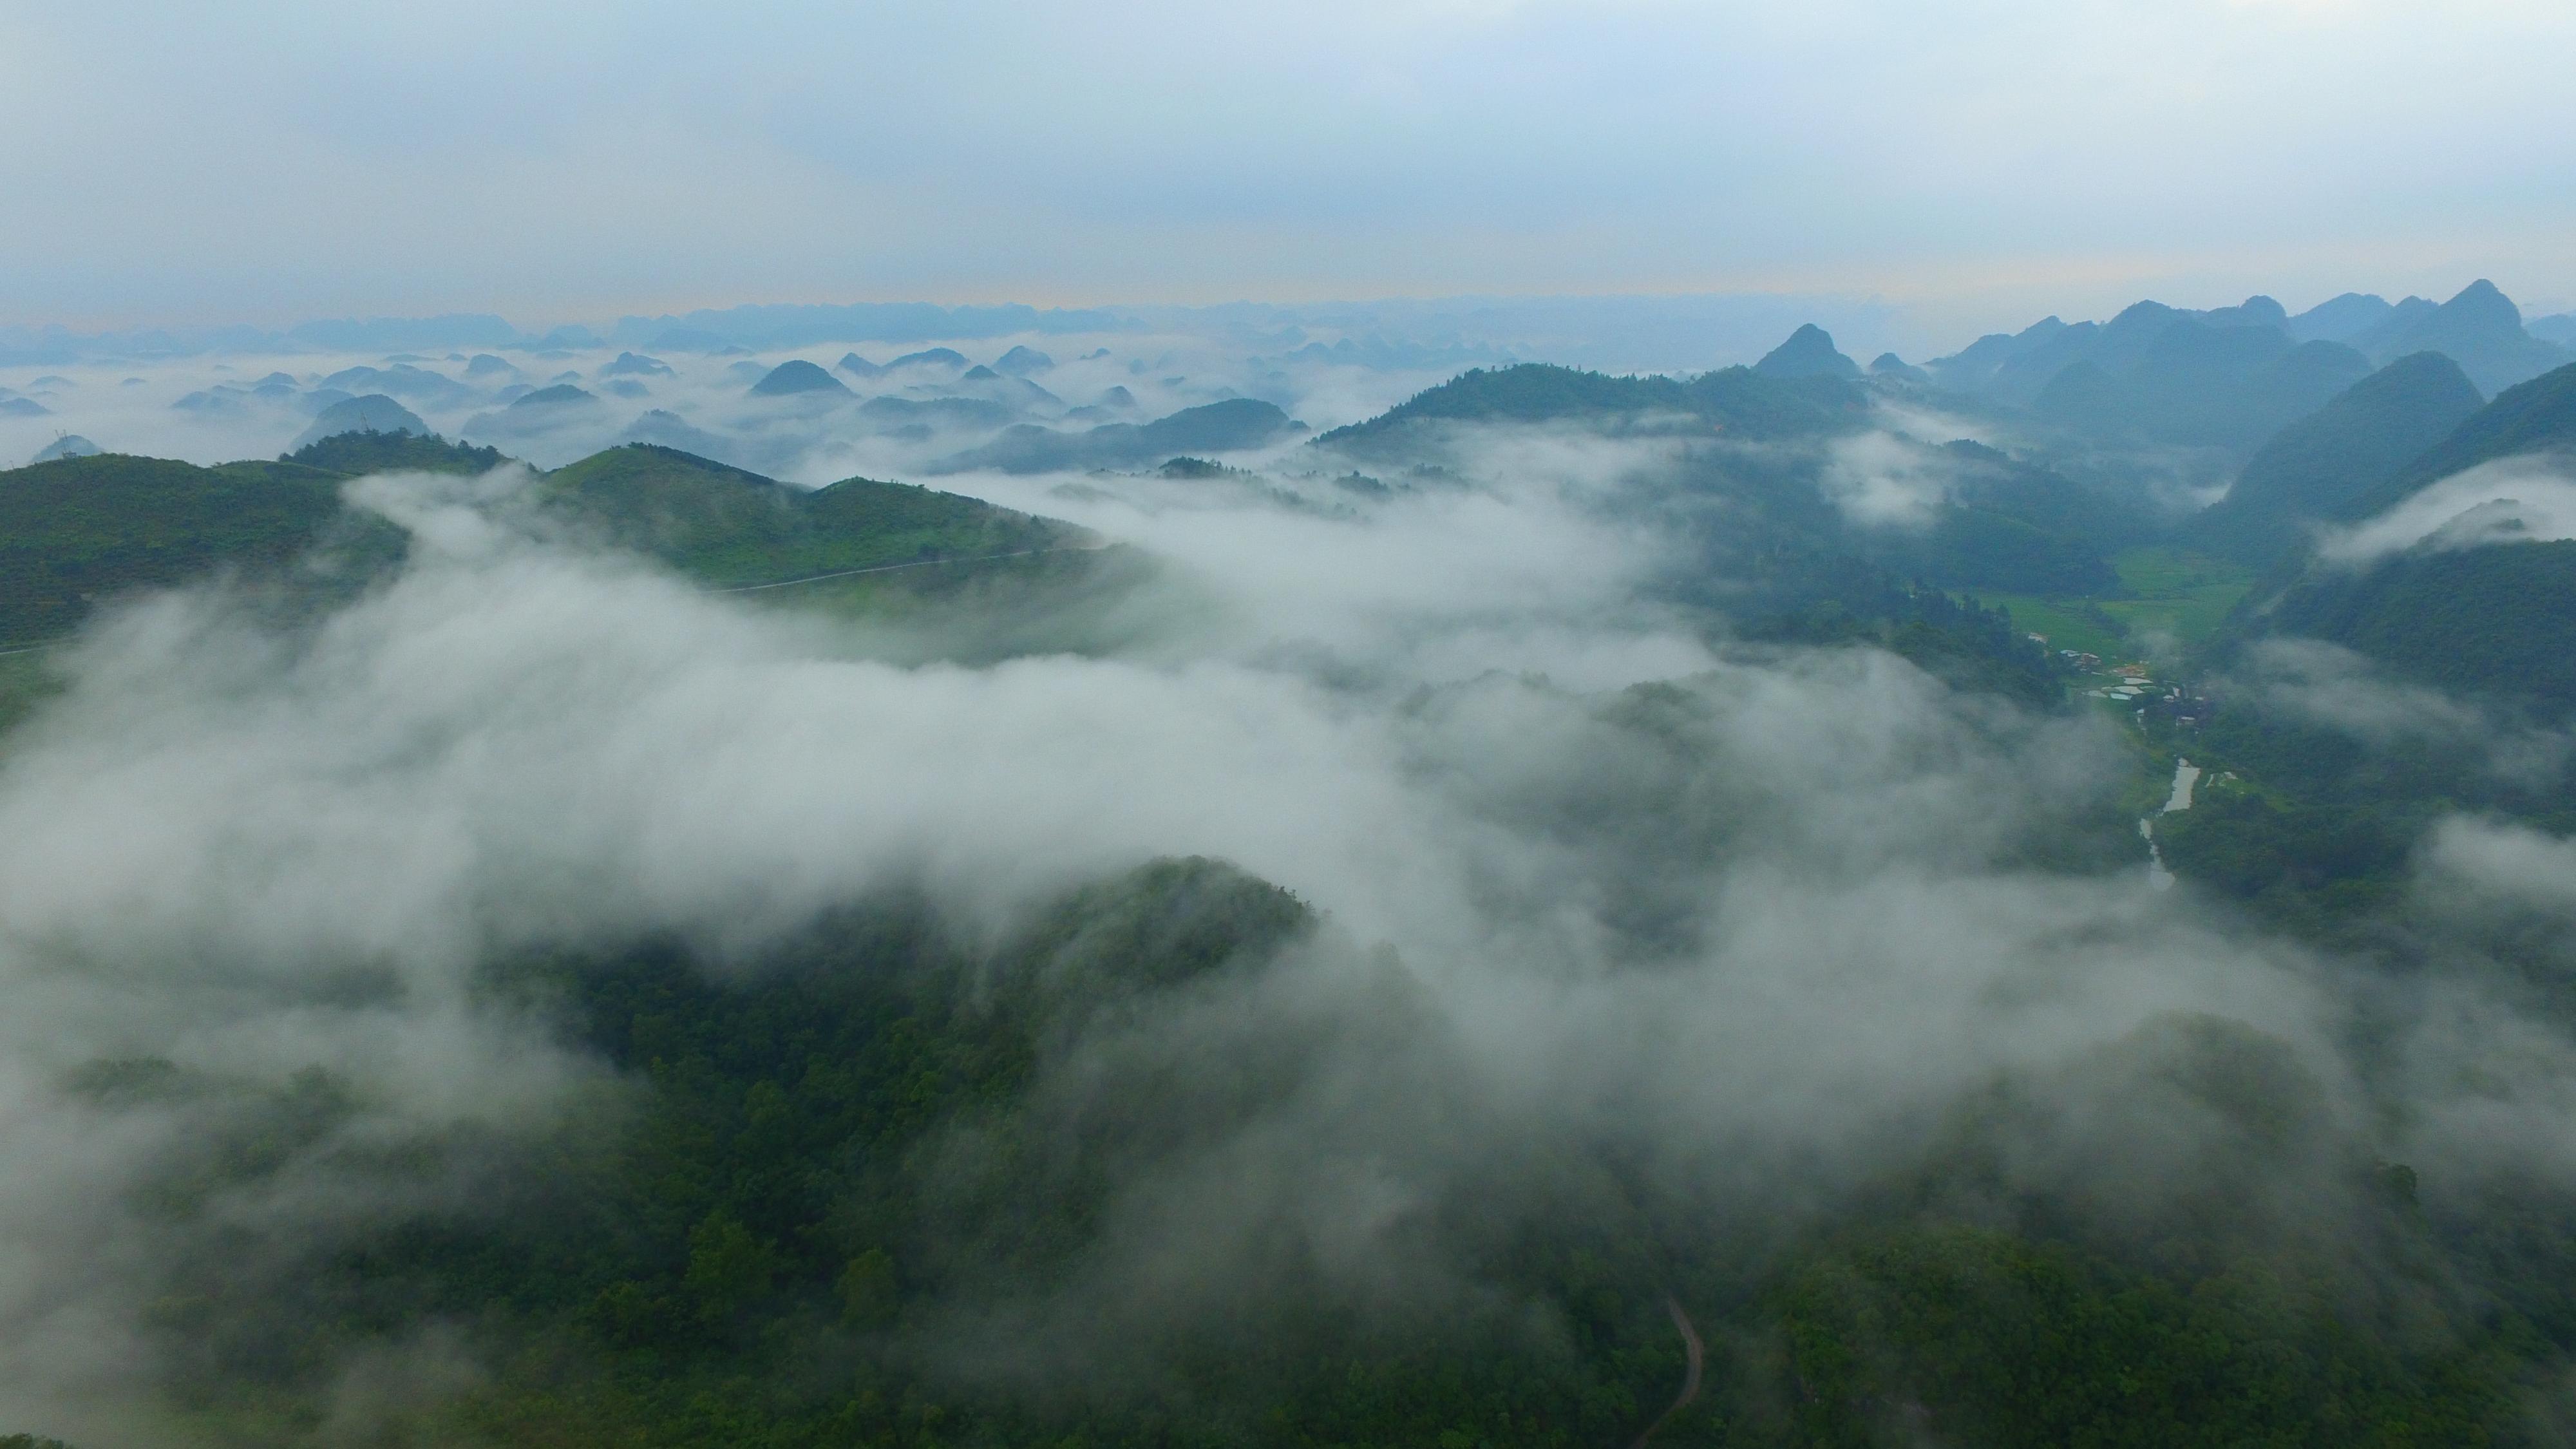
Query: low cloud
point(222, 407)
point(1886, 480)
point(2503, 862)
point(2529, 499)
point(2327, 685)
point(1596, 885)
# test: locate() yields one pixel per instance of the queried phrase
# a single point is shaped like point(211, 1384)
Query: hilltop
point(2230, 378)
point(76, 533)
point(1235, 425)
point(1736, 401)
point(734, 528)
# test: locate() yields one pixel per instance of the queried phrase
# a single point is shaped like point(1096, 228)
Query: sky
point(1978, 162)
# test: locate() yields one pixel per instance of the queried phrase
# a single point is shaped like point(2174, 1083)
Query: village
point(2183, 707)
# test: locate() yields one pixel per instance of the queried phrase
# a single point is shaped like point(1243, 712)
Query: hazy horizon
point(1973, 170)
point(1621, 333)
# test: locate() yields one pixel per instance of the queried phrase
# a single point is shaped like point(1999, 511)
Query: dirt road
point(1690, 1374)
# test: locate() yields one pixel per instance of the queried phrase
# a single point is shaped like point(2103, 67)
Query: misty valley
point(1215, 877)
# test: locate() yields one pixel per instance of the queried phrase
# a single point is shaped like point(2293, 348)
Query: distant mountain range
point(1235, 425)
point(2234, 376)
point(1618, 333)
point(2480, 329)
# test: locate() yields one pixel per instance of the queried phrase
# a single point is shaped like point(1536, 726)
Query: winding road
point(1692, 1354)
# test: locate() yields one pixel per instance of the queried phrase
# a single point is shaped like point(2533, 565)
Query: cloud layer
point(2511, 500)
point(1596, 884)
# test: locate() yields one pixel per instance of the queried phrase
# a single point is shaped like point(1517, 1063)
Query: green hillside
point(734, 528)
point(2321, 786)
point(824, 1171)
point(75, 532)
point(1758, 547)
point(1736, 401)
point(2497, 620)
point(2011, 527)
point(2199, 385)
point(361, 452)
point(2314, 468)
point(78, 532)
point(2538, 415)
point(908, 1178)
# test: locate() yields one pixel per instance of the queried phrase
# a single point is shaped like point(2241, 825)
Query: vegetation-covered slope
point(2199, 385)
point(365, 451)
point(2008, 526)
point(837, 1185)
point(2537, 416)
point(77, 531)
point(2495, 620)
point(2312, 469)
point(732, 527)
point(1234, 425)
point(845, 1190)
point(1736, 401)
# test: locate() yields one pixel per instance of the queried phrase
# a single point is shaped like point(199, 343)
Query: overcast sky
point(1979, 161)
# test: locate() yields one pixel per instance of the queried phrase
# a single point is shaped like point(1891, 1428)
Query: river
point(2186, 777)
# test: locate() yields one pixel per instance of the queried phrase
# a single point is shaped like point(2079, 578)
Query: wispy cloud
point(2529, 499)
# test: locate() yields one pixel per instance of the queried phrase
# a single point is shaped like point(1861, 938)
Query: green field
point(2169, 597)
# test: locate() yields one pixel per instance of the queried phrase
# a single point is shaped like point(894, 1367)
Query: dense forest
point(819, 1168)
point(75, 532)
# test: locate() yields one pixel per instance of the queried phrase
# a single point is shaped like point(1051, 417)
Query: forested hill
point(79, 532)
point(2314, 468)
point(2497, 619)
point(362, 451)
point(1735, 401)
point(823, 1165)
point(734, 528)
point(75, 532)
point(2537, 416)
point(1760, 545)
